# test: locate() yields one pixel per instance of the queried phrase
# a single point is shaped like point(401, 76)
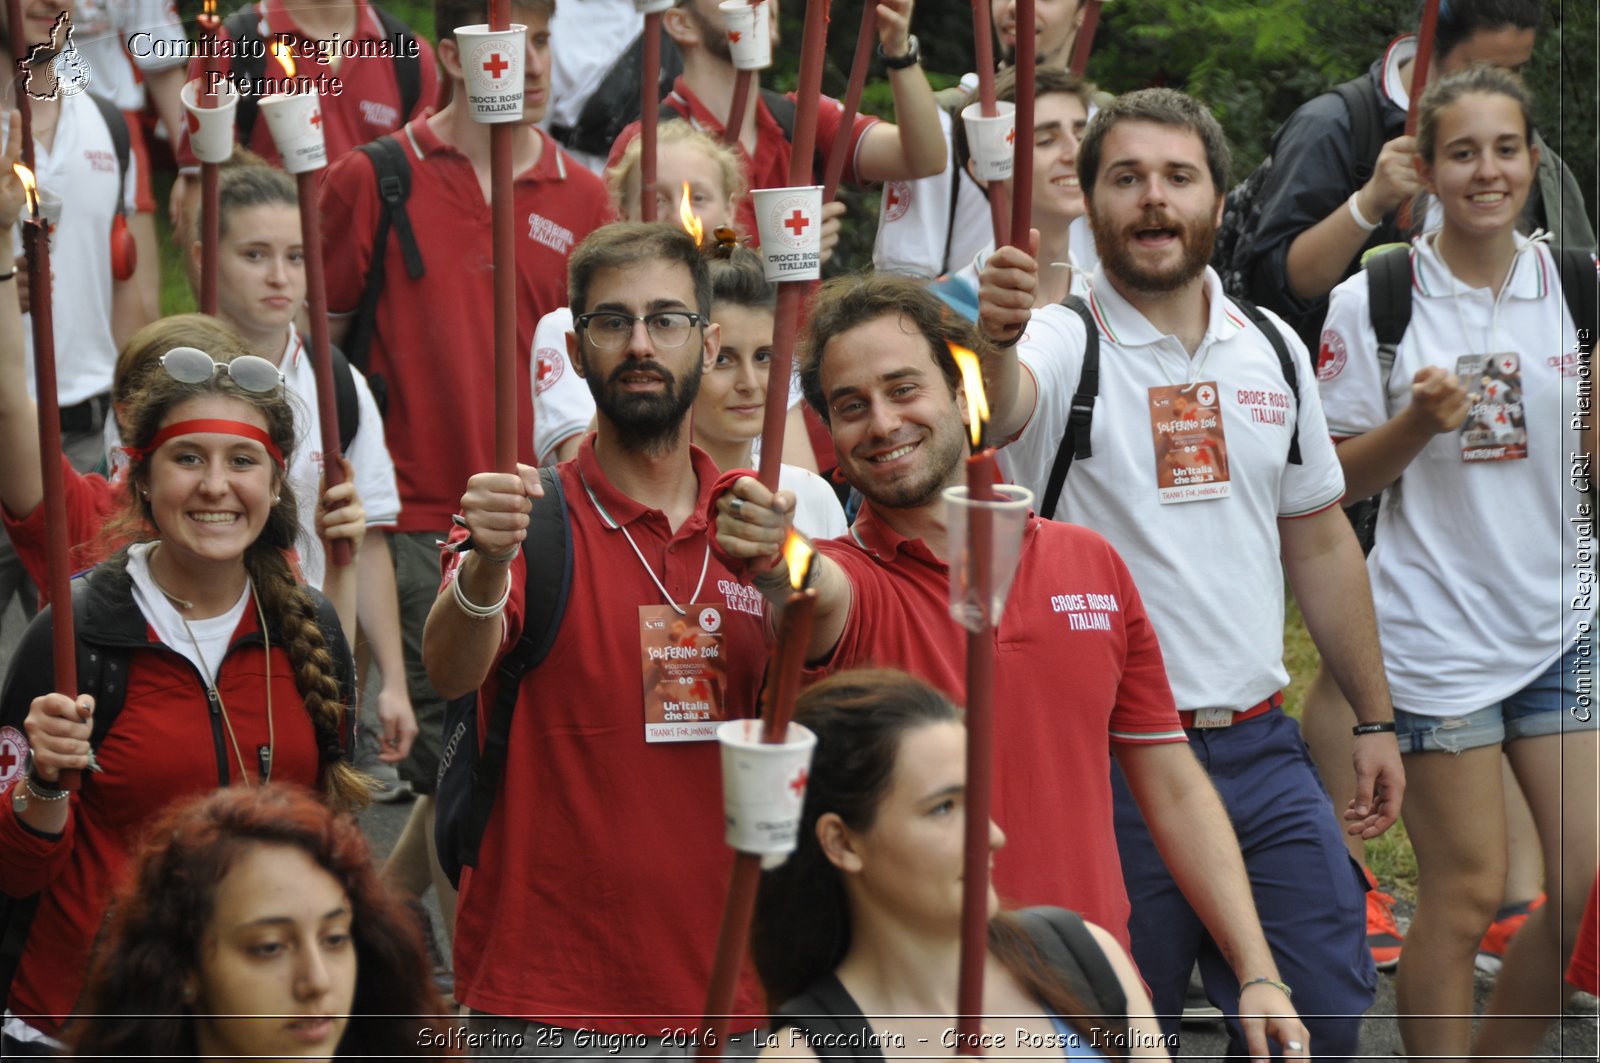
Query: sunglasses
point(190, 365)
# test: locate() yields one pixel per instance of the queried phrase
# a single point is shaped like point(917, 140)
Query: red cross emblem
point(8, 757)
point(1508, 364)
point(496, 65)
point(798, 783)
point(796, 222)
point(1011, 135)
point(316, 118)
point(733, 35)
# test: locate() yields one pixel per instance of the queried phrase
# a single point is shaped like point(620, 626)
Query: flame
point(689, 219)
point(29, 187)
point(799, 554)
point(972, 380)
point(284, 54)
point(209, 8)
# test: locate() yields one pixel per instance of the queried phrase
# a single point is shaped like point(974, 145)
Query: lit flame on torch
point(689, 219)
point(209, 9)
point(799, 554)
point(284, 54)
point(972, 380)
point(29, 187)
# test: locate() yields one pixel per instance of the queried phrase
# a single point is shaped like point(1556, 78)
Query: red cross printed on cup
point(798, 783)
point(1011, 135)
point(796, 223)
point(733, 36)
point(316, 118)
point(496, 65)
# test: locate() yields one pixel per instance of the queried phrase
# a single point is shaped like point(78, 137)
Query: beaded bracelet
point(1273, 982)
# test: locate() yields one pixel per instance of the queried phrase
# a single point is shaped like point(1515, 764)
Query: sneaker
point(1197, 1007)
point(1383, 933)
point(392, 791)
point(1507, 921)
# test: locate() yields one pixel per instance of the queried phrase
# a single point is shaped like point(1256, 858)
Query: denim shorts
point(1562, 700)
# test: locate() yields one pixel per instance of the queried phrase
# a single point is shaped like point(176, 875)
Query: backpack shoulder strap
point(1067, 945)
point(828, 1010)
point(117, 126)
point(249, 61)
point(548, 554)
point(392, 172)
point(1080, 419)
point(783, 112)
point(1360, 98)
point(1578, 285)
point(344, 398)
point(407, 66)
point(1389, 306)
point(1280, 347)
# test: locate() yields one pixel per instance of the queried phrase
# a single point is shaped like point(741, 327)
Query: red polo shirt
point(1077, 668)
point(433, 348)
point(770, 167)
point(603, 872)
point(368, 103)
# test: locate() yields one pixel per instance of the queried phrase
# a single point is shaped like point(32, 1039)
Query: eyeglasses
point(190, 365)
point(610, 331)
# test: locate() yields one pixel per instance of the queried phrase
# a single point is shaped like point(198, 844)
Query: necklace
point(611, 523)
point(264, 753)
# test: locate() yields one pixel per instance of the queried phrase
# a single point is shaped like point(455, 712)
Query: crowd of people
point(1360, 376)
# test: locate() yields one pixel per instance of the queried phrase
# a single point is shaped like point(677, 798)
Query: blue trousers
point(1309, 893)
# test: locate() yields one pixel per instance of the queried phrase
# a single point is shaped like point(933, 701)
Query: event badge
point(1496, 428)
point(684, 672)
point(1191, 453)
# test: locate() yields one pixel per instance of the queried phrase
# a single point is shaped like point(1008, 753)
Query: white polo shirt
point(1209, 570)
point(914, 220)
point(1475, 571)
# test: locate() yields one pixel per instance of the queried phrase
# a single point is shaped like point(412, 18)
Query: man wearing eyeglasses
point(600, 879)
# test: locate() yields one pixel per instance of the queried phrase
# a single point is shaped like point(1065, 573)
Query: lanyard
point(614, 526)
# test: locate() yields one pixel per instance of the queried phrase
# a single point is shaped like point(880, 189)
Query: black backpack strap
point(117, 126)
point(1389, 306)
point(784, 113)
point(345, 399)
point(1080, 419)
point(1280, 347)
point(548, 552)
point(1070, 949)
point(950, 220)
point(827, 1010)
point(1578, 285)
point(1360, 96)
point(407, 65)
point(249, 62)
point(391, 171)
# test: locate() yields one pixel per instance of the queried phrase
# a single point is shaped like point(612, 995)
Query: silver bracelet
point(1359, 218)
point(473, 609)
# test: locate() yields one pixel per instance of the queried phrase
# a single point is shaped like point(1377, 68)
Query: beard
point(1197, 235)
point(646, 423)
point(714, 38)
point(942, 451)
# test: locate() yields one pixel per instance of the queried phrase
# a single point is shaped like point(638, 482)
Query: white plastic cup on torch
point(749, 34)
point(653, 7)
point(789, 223)
point(210, 128)
point(491, 62)
point(764, 788)
point(990, 140)
point(1008, 515)
point(295, 119)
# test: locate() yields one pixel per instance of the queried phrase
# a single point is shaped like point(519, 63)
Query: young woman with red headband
point(232, 673)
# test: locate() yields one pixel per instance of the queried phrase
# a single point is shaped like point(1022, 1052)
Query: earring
point(144, 493)
point(275, 499)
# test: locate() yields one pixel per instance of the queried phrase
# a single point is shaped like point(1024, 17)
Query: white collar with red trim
point(1123, 324)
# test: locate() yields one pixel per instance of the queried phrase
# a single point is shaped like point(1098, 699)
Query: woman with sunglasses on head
point(1481, 440)
point(252, 924)
point(857, 936)
point(223, 669)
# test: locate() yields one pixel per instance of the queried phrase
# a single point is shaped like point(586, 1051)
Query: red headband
point(209, 424)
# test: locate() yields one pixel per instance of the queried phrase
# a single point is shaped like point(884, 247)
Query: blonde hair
point(676, 131)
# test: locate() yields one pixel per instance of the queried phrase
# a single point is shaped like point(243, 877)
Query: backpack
point(392, 172)
point(124, 252)
point(250, 62)
point(615, 101)
point(1241, 211)
point(827, 1010)
point(103, 673)
point(1075, 440)
point(469, 775)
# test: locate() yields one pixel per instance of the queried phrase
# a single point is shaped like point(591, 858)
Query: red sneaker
point(1507, 921)
point(1383, 933)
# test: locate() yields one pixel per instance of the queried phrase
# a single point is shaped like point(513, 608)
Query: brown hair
point(626, 243)
point(1479, 77)
point(287, 605)
point(1167, 107)
point(855, 299)
point(1047, 81)
point(133, 1002)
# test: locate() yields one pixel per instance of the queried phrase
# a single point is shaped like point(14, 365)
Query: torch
point(36, 229)
point(750, 44)
point(210, 220)
point(764, 766)
point(503, 217)
point(1085, 41)
point(1419, 83)
point(650, 104)
point(987, 107)
point(295, 119)
point(986, 525)
point(1022, 147)
point(833, 170)
point(688, 218)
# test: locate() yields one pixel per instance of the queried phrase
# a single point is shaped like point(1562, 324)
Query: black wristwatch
point(912, 57)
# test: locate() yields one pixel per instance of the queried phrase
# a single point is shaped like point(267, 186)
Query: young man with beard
point(600, 884)
point(1194, 477)
point(877, 368)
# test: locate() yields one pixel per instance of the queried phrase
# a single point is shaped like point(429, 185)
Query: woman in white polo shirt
point(1477, 575)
